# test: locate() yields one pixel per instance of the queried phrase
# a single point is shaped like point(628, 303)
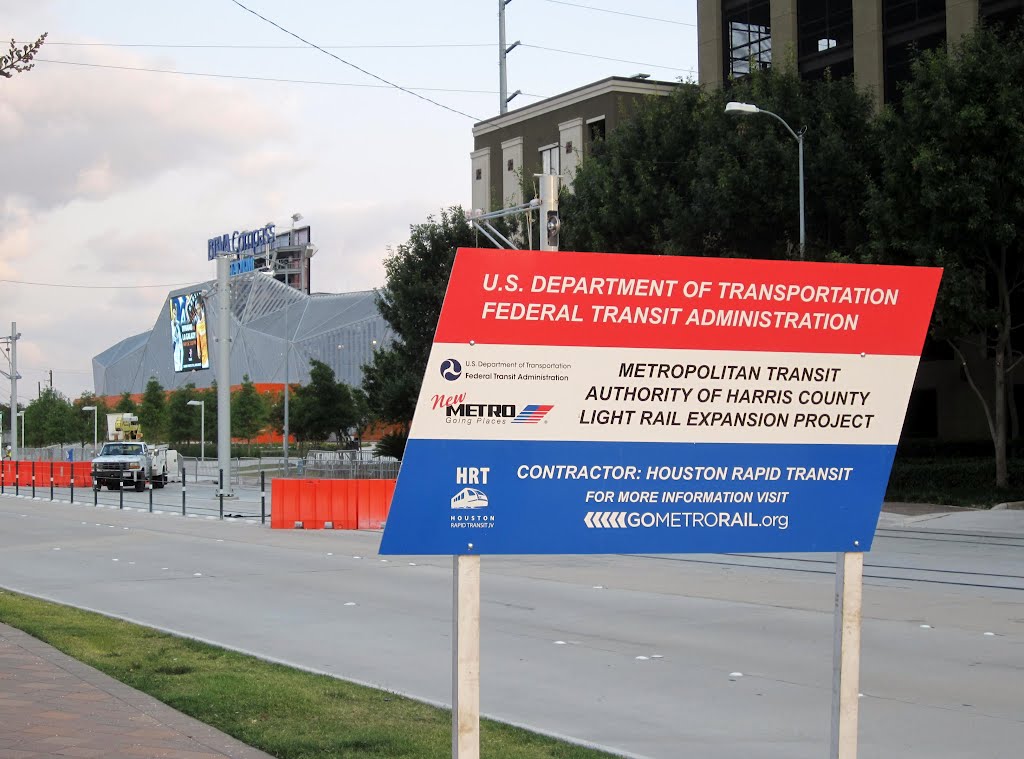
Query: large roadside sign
point(597, 403)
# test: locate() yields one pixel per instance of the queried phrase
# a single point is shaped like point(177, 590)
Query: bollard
point(221, 489)
point(3, 477)
point(120, 496)
point(96, 493)
point(51, 480)
point(183, 489)
point(149, 484)
point(17, 480)
point(197, 472)
point(72, 484)
point(33, 480)
point(263, 497)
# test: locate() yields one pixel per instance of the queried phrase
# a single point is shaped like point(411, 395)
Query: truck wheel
point(160, 480)
point(140, 485)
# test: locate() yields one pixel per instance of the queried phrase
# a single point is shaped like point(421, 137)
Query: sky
point(113, 178)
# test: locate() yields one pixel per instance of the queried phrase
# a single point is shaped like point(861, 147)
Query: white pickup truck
point(133, 462)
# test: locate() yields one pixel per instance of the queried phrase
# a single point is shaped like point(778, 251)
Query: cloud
point(68, 132)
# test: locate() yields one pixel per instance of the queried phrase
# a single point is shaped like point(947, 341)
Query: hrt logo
point(451, 369)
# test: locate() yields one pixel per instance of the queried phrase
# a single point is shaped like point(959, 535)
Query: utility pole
point(224, 376)
point(14, 390)
point(503, 52)
point(51, 379)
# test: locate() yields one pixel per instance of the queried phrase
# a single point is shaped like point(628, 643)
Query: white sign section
point(596, 403)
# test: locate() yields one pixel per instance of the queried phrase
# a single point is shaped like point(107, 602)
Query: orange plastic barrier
point(62, 471)
point(345, 504)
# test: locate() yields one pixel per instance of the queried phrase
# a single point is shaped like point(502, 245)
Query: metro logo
point(532, 414)
point(483, 410)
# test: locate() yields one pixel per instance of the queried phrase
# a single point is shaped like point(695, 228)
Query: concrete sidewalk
point(54, 706)
point(1003, 523)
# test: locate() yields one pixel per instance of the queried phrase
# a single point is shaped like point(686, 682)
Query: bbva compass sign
point(248, 241)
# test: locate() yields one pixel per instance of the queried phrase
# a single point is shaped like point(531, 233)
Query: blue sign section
point(539, 497)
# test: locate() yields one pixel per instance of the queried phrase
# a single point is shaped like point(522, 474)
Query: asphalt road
point(716, 657)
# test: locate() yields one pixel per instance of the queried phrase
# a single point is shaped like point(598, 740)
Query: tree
point(183, 422)
point(950, 194)
point(153, 409)
point(322, 407)
point(682, 177)
point(249, 412)
point(18, 60)
point(410, 301)
point(84, 429)
point(50, 420)
point(125, 404)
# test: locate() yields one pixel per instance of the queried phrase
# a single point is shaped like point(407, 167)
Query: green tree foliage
point(249, 412)
point(183, 421)
point(19, 59)
point(125, 404)
point(950, 194)
point(50, 420)
point(153, 410)
point(83, 430)
point(682, 177)
point(410, 301)
point(322, 407)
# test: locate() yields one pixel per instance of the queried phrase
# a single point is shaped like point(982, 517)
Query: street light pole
point(745, 109)
point(202, 427)
point(95, 433)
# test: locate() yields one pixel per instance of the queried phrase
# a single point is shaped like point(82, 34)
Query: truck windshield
point(121, 449)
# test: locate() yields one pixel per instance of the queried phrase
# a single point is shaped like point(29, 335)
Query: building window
point(568, 147)
point(1006, 13)
point(595, 130)
point(904, 13)
point(909, 27)
point(508, 166)
point(748, 39)
point(479, 173)
point(824, 25)
point(549, 159)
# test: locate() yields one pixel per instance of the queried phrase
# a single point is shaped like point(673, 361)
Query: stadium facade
point(270, 320)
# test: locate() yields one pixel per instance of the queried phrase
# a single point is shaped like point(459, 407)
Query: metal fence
point(344, 465)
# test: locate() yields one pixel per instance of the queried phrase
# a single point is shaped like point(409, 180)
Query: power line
point(267, 47)
point(357, 68)
point(621, 13)
point(94, 287)
point(258, 78)
point(347, 47)
point(604, 58)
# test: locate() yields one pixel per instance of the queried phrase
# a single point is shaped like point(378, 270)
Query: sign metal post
point(466, 658)
point(846, 654)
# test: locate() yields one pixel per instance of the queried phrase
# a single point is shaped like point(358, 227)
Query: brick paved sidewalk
point(54, 706)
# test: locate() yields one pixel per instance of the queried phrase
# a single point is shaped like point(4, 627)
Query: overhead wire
point(222, 46)
point(603, 57)
point(93, 287)
point(352, 65)
point(251, 78)
point(621, 13)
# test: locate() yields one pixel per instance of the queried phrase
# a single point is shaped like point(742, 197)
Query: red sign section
point(538, 298)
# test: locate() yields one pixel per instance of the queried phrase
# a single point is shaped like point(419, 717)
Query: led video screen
point(188, 332)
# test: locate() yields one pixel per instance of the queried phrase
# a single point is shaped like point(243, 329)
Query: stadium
point(276, 330)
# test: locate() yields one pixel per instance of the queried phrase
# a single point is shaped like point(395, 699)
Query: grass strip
point(285, 712)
